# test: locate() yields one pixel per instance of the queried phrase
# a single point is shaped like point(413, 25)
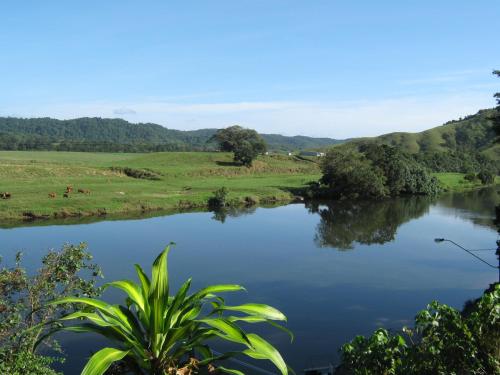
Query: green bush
point(143, 174)
point(26, 363)
point(443, 341)
point(219, 199)
point(27, 319)
point(486, 177)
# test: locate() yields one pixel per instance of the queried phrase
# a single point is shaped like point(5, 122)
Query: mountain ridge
point(95, 134)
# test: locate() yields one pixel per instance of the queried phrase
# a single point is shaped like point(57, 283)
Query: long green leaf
point(231, 330)
point(158, 300)
point(100, 361)
point(173, 308)
point(257, 309)
point(258, 319)
point(93, 317)
point(132, 289)
point(98, 304)
point(261, 349)
point(222, 288)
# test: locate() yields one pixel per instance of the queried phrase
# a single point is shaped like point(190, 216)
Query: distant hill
point(473, 133)
point(101, 134)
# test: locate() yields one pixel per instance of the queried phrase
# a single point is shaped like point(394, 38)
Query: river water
point(336, 269)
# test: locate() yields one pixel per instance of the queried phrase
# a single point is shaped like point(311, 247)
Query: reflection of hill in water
point(477, 206)
point(344, 223)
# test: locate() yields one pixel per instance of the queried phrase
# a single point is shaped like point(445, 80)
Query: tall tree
point(246, 144)
point(496, 117)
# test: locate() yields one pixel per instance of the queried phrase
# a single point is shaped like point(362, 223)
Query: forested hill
point(100, 134)
point(473, 133)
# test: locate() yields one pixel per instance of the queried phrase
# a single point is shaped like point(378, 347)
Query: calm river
point(335, 269)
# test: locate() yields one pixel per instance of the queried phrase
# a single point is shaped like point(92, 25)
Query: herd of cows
point(69, 190)
point(66, 194)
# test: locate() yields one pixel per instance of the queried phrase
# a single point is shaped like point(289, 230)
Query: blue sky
point(320, 68)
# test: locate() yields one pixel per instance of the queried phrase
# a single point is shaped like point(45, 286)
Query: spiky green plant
point(160, 334)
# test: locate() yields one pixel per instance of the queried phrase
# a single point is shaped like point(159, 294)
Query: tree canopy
point(246, 144)
point(375, 171)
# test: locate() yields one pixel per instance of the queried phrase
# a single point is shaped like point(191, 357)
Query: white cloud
point(337, 119)
point(124, 111)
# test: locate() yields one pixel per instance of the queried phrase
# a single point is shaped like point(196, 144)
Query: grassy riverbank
point(456, 182)
point(169, 181)
point(180, 180)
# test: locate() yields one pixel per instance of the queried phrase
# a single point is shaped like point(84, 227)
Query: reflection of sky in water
point(328, 295)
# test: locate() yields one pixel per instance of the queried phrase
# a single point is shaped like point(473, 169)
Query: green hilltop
point(473, 133)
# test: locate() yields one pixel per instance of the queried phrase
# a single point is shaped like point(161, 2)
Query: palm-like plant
point(161, 334)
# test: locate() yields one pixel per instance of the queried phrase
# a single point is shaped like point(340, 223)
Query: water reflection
point(345, 223)
point(223, 213)
point(477, 205)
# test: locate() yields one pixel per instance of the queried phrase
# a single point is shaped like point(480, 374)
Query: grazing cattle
point(66, 195)
point(69, 189)
point(5, 195)
point(84, 191)
point(52, 195)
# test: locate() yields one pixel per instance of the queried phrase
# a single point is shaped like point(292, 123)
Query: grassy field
point(185, 180)
point(456, 182)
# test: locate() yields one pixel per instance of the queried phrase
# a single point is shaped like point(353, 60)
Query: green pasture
point(187, 179)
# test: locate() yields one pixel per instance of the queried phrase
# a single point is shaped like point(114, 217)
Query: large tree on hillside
point(246, 144)
point(496, 118)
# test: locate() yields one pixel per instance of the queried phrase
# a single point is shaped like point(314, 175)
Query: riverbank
point(114, 184)
point(120, 183)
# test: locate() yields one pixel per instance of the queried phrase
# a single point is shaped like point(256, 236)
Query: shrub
point(444, 341)
point(486, 177)
point(26, 363)
point(26, 317)
point(144, 174)
point(219, 199)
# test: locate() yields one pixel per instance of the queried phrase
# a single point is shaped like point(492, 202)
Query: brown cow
point(69, 188)
point(52, 195)
point(5, 195)
point(84, 191)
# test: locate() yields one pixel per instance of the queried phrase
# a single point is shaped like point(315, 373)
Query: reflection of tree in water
point(477, 206)
point(223, 213)
point(344, 223)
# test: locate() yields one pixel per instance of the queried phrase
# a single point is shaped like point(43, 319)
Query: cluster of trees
point(456, 161)
point(373, 171)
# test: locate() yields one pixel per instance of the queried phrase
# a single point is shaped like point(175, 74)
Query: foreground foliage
point(443, 341)
point(159, 333)
point(27, 318)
